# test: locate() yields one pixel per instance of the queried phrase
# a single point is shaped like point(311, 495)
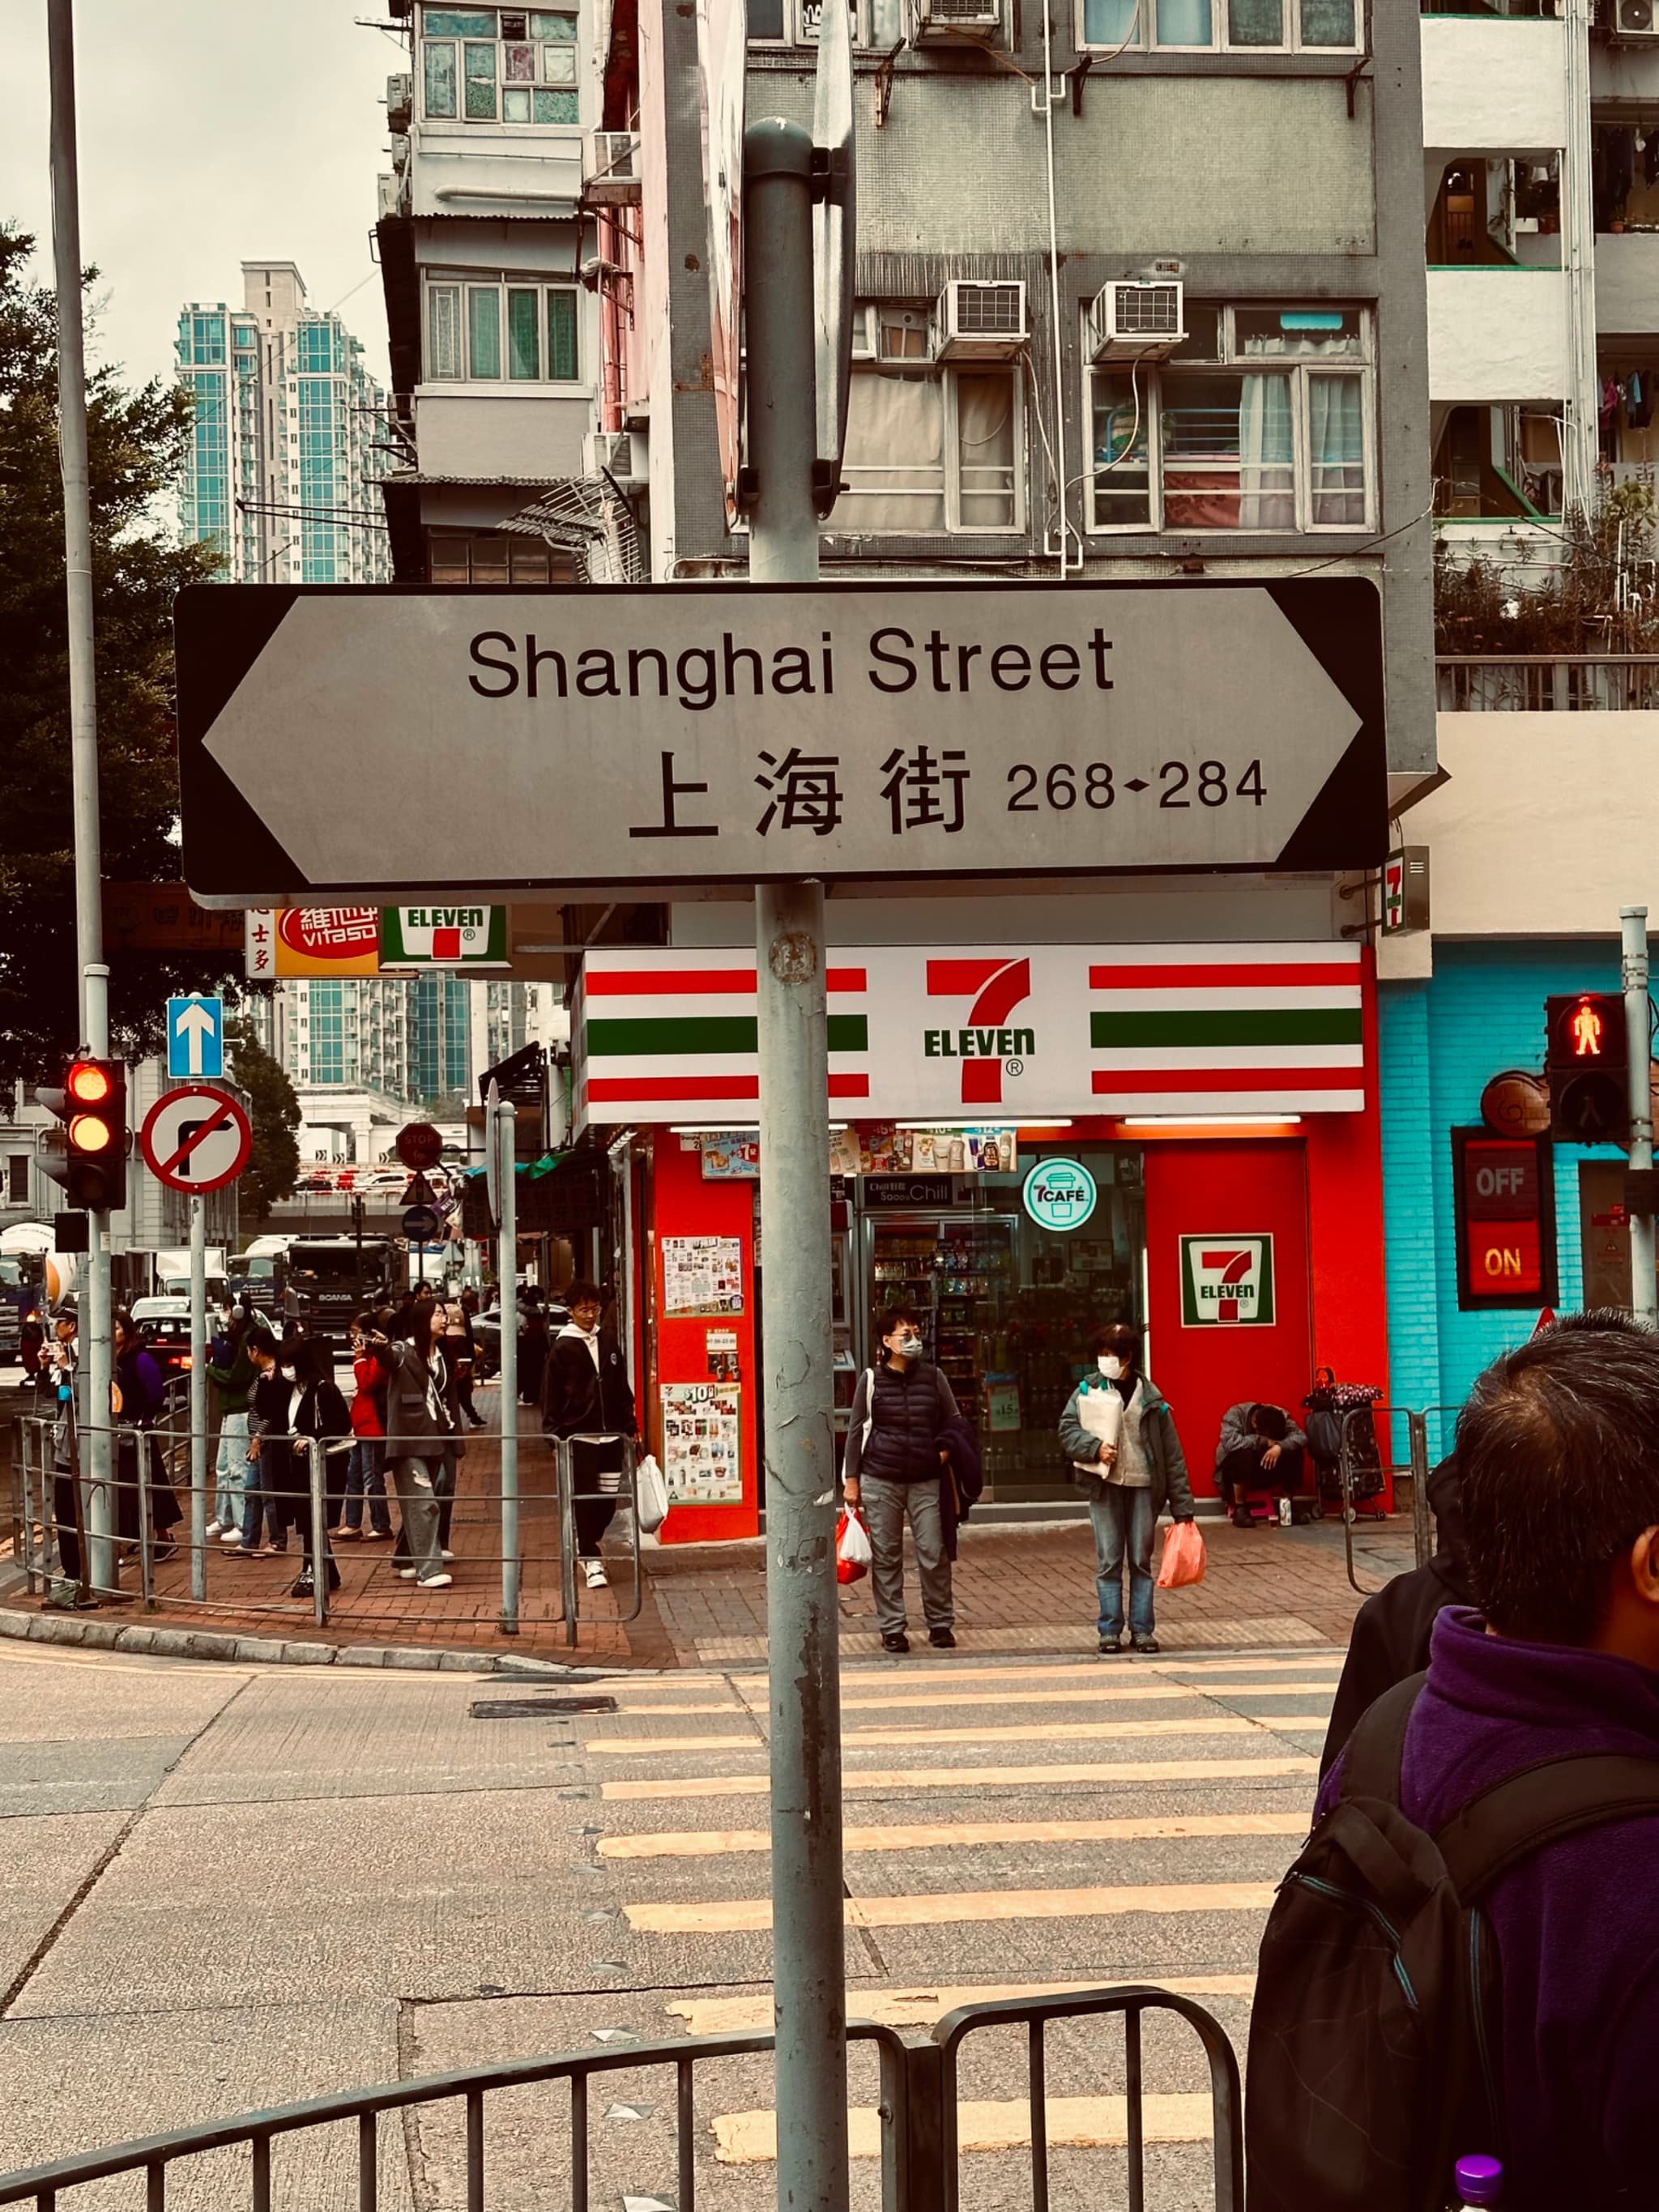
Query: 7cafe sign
point(632, 736)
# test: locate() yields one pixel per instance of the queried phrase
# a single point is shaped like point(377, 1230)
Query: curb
point(159, 1642)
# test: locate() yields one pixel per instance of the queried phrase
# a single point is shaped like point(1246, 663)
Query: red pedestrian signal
point(88, 1156)
point(1587, 1063)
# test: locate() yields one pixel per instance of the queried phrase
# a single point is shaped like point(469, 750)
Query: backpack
point(1373, 2064)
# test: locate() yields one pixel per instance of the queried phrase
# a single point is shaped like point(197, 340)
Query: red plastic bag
point(1183, 1557)
point(853, 1553)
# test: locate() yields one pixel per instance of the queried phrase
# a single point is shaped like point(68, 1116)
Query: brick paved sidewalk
point(1019, 1589)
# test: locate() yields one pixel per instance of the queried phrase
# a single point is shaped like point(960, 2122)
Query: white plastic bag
point(853, 1553)
point(652, 1493)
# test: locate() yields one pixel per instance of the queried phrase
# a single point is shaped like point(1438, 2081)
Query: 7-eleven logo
point(1226, 1281)
point(987, 1046)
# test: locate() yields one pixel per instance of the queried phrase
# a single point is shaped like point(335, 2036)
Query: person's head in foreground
point(1557, 1454)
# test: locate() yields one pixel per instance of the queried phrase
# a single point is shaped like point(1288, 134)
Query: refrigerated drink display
point(957, 1275)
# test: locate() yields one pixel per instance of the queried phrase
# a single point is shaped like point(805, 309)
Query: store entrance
point(1007, 1306)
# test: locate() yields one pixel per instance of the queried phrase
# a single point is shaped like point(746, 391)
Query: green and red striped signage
point(1027, 1032)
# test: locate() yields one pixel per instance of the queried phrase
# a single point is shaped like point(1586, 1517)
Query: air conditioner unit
point(399, 99)
point(936, 22)
point(614, 452)
point(1636, 21)
point(979, 321)
point(610, 167)
point(1135, 321)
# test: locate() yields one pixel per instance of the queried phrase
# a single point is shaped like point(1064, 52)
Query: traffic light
point(1587, 1063)
point(88, 1155)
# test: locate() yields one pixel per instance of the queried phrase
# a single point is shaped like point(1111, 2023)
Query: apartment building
point(288, 439)
point(490, 306)
point(1542, 200)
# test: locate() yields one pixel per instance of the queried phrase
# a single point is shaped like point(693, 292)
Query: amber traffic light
point(89, 1154)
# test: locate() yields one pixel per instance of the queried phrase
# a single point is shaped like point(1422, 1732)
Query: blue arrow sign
point(196, 1037)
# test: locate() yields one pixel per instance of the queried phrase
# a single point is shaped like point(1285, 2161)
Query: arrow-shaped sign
point(710, 735)
point(194, 1023)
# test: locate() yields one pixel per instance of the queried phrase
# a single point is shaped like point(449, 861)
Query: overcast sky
point(212, 132)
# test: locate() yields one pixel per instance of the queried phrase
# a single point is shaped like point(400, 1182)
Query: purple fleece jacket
point(1577, 1924)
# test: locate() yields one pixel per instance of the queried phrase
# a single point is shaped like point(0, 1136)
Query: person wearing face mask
point(269, 1450)
point(895, 1465)
point(585, 1392)
point(1128, 1458)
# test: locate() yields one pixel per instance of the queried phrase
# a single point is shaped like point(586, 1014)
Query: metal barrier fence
point(114, 1523)
point(1548, 683)
point(917, 2112)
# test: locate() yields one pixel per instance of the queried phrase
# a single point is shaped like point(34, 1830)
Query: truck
point(330, 1279)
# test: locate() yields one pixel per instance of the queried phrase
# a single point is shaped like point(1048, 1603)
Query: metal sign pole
point(1638, 1029)
point(802, 1619)
point(198, 1399)
point(503, 1121)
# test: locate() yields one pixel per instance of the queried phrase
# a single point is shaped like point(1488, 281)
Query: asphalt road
point(227, 1887)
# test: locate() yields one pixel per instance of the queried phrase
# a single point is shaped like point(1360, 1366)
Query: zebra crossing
point(1052, 1828)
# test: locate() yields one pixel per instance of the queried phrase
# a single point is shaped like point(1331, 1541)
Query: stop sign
point(419, 1145)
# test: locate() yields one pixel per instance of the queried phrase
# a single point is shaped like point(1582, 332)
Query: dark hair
point(581, 1292)
point(123, 1319)
point(364, 1324)
point(1269, 1421)
point(422, 1315)
point(1121, 1337)
point(312, 1363)
point(1558, 1460)
point(261, 1340)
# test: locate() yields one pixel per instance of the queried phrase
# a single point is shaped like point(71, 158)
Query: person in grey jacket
point(418, 1428)
point(1260, 1448)
point(1130, 1482)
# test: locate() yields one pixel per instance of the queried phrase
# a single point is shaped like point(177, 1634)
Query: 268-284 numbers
point(1062, 787)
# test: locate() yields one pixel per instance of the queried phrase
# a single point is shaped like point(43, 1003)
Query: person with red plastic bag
point(1127, 1457)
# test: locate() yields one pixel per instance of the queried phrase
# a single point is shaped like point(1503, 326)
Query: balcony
point(485, 169)
point(1496, 335)
point(1492, 82)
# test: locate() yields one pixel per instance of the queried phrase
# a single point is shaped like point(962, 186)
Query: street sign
point(421, 1224)
point(443, 937)
point(419, 1145)
point(196, 1139)
point(834, 242)
point(196, 1037)
point(705, 735)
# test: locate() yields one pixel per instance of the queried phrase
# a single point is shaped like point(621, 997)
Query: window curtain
point(443, 357)
point(1267, 455)
point(986, 460)
point(894, 463)
point(1336, 448)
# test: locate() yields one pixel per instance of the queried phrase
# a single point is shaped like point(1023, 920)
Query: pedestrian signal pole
point(94, 1410)
point(1633, 926)
point(802, 1619)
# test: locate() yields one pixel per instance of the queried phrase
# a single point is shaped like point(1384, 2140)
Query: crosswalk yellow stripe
point(729, 1915)
point(1005, 2123)
point(642, 1747)
point(1102, 1694)
point(751, 2015)
point(971, 1777)
point(706, 1843)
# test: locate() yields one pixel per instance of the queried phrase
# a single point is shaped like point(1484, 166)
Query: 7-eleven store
point(1203, 1117)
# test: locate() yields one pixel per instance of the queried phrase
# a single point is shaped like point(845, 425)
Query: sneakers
point(408, 1574)
point(594, 1571)
point(232, 1541)
point(213, 1528)
point(897, 1642)
point(1109, 1646)
point(436, 1582)
point(448, 1557)
point(942, 1639)
point(347, 1535)
point(1147, 1643)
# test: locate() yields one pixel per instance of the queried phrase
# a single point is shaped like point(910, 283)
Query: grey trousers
point(417, 1507)
point(886, 1505)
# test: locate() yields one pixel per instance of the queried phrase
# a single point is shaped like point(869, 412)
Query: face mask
point(287, 1374)
point(1109, 1366)
point(909, 1347)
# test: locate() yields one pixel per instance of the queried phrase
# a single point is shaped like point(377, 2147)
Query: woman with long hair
point(418, 1427)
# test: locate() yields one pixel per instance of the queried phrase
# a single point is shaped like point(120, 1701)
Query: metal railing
point(1546, 683)
point(120, 1531)
point(917, 2114)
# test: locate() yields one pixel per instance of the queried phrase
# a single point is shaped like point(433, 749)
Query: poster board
point(701, 1275)
point(701, 1431)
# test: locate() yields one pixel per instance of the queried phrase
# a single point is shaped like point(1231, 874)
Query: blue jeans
point(366, 1479)
point(1124, 1524)
point(231, 1470)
